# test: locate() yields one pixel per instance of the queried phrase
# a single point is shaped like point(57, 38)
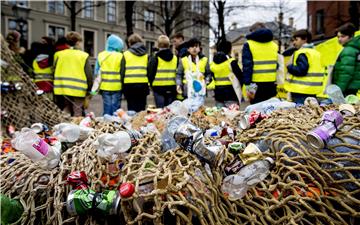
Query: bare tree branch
point(93, 5)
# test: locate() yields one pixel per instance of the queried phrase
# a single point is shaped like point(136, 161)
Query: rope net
point(21, 108)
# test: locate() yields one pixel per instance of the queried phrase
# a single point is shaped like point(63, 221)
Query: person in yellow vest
point(162, 73)
point(73, 75)
point(305, 69)
point(134, 74)
point(108, 68)
point(221, 67)
point(193, 62)
point(42, 68)
point(259, 59)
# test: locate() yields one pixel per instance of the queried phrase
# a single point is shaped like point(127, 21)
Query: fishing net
point(306, 186)
point(21, 108)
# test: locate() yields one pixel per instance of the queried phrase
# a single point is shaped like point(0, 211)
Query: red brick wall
point(336, 13)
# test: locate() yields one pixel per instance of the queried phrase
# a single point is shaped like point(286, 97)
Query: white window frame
point(95, 40)
point(83, 12)
point(56, 13)
point(154, 22)
point(116, 12)
point(56, 25)
point(29, 29)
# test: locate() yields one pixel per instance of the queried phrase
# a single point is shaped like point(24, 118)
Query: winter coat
point(347, 67)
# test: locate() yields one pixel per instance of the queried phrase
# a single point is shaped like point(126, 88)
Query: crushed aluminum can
point(236, 147)
point(78, 180)
point(318, 137)
point(247, 121)
point(191, 139)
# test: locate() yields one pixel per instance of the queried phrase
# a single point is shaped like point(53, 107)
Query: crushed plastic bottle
point(237, 185)
point(167, 137)
point(34, 147)
point(113, 146)
point(178, 108)
point(335, 94)
point(193, 104)
point(68, 132)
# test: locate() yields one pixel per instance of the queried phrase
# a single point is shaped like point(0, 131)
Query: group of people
point(187, 71)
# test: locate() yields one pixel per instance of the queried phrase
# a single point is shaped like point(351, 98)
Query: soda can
point(78, 180)
point(236, 147)
point(79, 202)
point(108, 202)
point(212, 154)
point(318, 137)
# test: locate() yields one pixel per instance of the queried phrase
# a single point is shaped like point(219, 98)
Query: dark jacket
point(181, 50)
point(302, 64)
point(261, 35)
point(226, 93)
point(347, 67)
point(166, 55)
point(138, 49)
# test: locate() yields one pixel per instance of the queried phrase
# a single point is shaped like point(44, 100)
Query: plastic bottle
point(335, 94)
point(34, 147)
point(96, 85)
point(238, 184)
point(67, 132)
point(260, 106)
point(11, 210)
point(167, 137)
point(111, 146)
point(178, 108)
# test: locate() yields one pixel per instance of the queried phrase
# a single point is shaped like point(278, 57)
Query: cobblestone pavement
point(96, 104)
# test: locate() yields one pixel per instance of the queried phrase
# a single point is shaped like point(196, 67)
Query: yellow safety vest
point(110, 70)
point(166, 72)
point(265, 60)
point(312, 82)
point(69, 77)
point(135, 68)
point(280, 89)
point(202, 65)
point(221, 72)
point(42, 74)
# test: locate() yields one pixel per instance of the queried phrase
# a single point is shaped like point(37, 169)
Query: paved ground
point(96, 104)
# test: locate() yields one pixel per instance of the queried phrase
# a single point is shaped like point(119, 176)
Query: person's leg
point(264, 92)
point(116, 101)
point(67, 105)
point(141, 103)
point(169, 98)
point(159, 100)
point(107, 107)
point(300, 98)
point(78, 103)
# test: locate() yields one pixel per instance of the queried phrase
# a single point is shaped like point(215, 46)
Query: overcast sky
point(246, 17)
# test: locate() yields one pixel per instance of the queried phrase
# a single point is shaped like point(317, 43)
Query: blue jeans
point(300, 98)
point(111, 101)
point(162, 100)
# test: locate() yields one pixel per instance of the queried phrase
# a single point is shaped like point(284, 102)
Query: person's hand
point(179, 89)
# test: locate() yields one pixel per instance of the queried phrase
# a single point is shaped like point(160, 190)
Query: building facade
point(325, 16)
point(95, 24)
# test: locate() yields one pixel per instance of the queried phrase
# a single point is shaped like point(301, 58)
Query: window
point(56, 7)
point(320, 21)
point(196, 6)
point(55, 31)
point(22, 3)
point(196, 29)
point(111, 11)
point(22, 28)
point(89, 9)
point(149, 20)
point(150, 46)
point(89, 42)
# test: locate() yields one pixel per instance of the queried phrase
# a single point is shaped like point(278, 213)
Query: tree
point(75, 10)
point(129, 10)
point(172, 18)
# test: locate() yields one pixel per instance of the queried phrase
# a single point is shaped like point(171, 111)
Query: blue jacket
point(302, 64)
point(113, 43)
point(261, 35)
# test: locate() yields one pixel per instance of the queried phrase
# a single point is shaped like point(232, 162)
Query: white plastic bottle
point(111, 146)
point(34, 147)
point(260, 106)
point(67, 132)
point(237, 185)
point(335, 94)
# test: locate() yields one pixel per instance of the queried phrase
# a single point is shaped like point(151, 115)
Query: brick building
point(325, 16)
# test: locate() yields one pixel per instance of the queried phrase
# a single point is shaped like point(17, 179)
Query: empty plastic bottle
point(177, 107)
point(111, 146)
point(237, 185)
point(167, 137)
point(335, 94)
point(34, 147)
point(260, 106)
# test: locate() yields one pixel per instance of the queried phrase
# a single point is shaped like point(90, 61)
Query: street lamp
point(21, 14)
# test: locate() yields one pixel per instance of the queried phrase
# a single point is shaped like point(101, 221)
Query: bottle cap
point(270, 160)
point(126, 190)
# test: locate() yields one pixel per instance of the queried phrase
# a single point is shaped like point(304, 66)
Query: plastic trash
point(86, 122)
point(194, 103)
point(260, 106)
point(335, 94)
point(237, 185)
point(34, 147)
point(68, 132)
point(113, 146)
point(178, 108)
point(352, 99)
point(167, 137)
point(11, 210)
